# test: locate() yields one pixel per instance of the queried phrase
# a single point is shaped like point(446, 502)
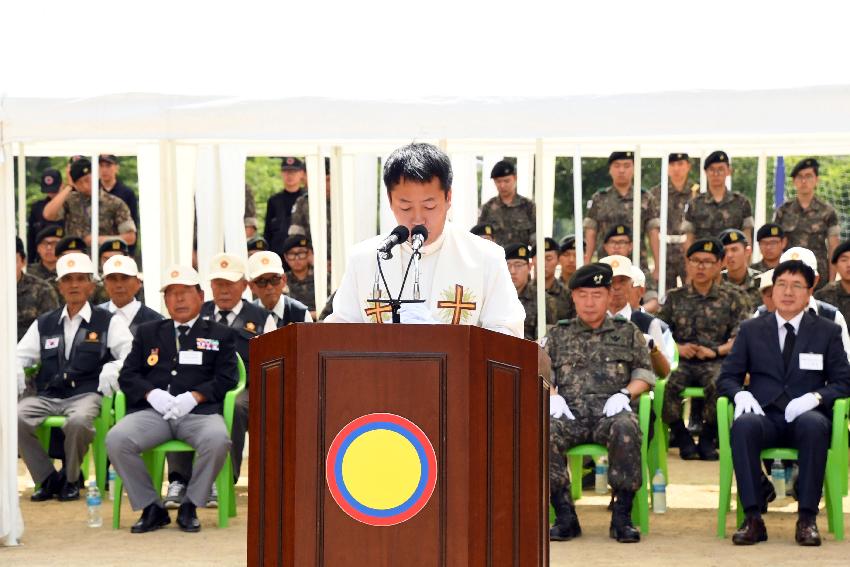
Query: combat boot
point(621, 519)
point(687, 448)
point(706, 449)
point(566, 526)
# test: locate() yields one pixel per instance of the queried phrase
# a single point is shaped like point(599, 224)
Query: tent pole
point(662, 238)
point(577, 204)
point(761, 202)
point(637, 233)
point(95, 212)
point(22, 194)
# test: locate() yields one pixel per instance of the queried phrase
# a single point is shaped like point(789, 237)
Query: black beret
point(840, 249)
point(51, 181)
point(592, 275)
point(620, 155)
point(107, 158)
point(291, 164)
point(805, 164)
point(295, 241)
point(72, 243)
point(52, 230)
point(768, 230)
point(114, 245)
point(80, 168)
point(502, 169)
point(715, 157)
point(517, 251)
point(710, 245)
point(568, 243)
point(617, 230)
point(550, 244)
point(732, 236)
point(257, 243)
point(677, 157)
point(482, 229)
point(19, 247)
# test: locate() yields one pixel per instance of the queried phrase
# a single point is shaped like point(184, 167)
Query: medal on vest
point(153, 358)
point(91, 337)
point(250, 327)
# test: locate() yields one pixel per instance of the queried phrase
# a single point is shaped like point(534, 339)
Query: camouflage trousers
point(691, 374)
point(620, 434)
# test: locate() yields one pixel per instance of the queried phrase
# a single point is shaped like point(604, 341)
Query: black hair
point(795, 267)
point(418, 162)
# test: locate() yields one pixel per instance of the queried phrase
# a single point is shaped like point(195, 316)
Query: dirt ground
point(57, 534)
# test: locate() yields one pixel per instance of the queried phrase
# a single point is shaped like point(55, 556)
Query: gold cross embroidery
point(458, 305)
point(377, 312)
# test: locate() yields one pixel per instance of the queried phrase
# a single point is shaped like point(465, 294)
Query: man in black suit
point(175, 379)
point(280, 205)
point(798, 368)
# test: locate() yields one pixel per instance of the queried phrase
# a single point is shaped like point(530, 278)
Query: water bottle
point(602, 475)
point(111, 483)
point(659, 493)
point(777, 475)
point(93, 504)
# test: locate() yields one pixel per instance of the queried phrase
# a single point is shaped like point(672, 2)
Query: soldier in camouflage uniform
point(704, 316)
point(618, 242)
point(510, 214)
point(772, 242)
point(837, 293)
point(809, 222)
point(737, 252)
point(45, 242)
point(518, 257)
point(35, 296)
point(679, 193)
point(298, 252)
point(73, 205)
point(564, 308)
point(613, 205)
point(710, 213)
point(599, 364)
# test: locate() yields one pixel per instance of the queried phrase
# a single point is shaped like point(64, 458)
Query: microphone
point(397, 236)
point(420, 235)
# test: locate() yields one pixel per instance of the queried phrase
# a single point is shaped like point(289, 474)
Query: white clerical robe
point(463, 278)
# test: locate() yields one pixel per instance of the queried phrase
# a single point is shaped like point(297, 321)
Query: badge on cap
point(224, 264)
point(721, 157)
point(708, 247)
point(175, 273)
point(250, 327)
point(615, 264)
point(621, 229)
point(795, 256)
point(488, 230)
point(303, 242)
point(628, 154)
point(521, 252)
point(60, 232)
point(261, 245)
point(153, 357)
point(71, 263)
point(265, 261)
point(289, 161)
point(48, 180)
point(774, 231)
point(597, 278)
point(71, 246)
point(116, 245)
point(117, 263)
point(679, 156)
point(733, 236)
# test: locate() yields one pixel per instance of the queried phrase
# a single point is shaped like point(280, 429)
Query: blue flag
point(779, 182)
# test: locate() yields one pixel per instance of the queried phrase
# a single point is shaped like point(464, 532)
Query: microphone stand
point(395, 304)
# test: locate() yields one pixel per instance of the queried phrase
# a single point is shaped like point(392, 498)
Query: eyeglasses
point(806, 176)
point(515, 266)
point(702, 263)
point(795, 287)
point(48, 244)
point(275, 280)
point(295, 255)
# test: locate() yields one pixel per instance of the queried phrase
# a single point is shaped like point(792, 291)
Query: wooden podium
point(475, 395)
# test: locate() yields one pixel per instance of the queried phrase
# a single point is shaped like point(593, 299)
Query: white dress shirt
point(128, 312)
point(269, 326)
point(279, 309)
point(664, 340)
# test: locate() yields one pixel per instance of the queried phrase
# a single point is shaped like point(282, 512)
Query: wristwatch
point(818, 397)
point(716, 351)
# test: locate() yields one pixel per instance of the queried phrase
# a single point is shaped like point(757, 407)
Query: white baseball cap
point(803, 254)
point(227, 267)
point(180, 275)
point(621, 265)
point(766, 280)
point(264, 262)
point(638, 277)
point(120, 265)
point(74, 263)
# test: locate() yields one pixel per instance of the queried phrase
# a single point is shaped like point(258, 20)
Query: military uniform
point(114, 216)
point(705, 217)
point(761, 267)
point(528, 298)
point(35, 297)
point(38, 270)
point(300, 222)
point(563, 300)
point(809, 228)
point(511, 223)
point(609, 208)
point(676, 203)
point(749, 287)
point(834, 294)
point(302, 290)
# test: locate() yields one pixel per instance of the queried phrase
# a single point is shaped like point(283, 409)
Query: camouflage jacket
point(114, 215)
point(528, 298)
point(676, 202)
point(35, 296)
point(608, 208)
point(590, 365)
point(514, 223)
point(300, 221)
point(564, 306)
point(708, 320)
point(809, 228)
point(834, 294)
point(706, 218)
point(760, 266)
point(302, 290)
point(750, 286)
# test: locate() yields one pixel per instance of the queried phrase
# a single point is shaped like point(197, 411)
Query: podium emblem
point(381, 469)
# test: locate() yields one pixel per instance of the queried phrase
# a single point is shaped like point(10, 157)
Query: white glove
point(799, 406)
point(558, 407)
point(22, 381)
point(746, 403)
point(183, 404)
point(160, 400)
point(416, 314)
point(108, 382)
point(617, 403)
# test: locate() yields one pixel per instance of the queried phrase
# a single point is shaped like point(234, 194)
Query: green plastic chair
point(575, 456)
point(836, 466)
point(155, 458)
point(97, 450)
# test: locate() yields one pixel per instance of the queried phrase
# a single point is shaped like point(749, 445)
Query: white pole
point(95, 211)
point(22, 193)
point(637, 233)
point(662, 245)
point(540, 254)
point(577, 206)
point(761, 201)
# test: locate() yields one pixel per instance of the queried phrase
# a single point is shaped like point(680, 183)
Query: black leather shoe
point(564, 532)
point(706, 449)
point(49, 488)
point(688, 449)
point(751, 532)
point(153, 518)
point(69, 491)
point(807, 533)
point(187, 518)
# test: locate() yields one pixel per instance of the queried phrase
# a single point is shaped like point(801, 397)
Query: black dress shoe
point(187, 518)
point(49, 488)
point(153, 518)
point(751, 532)
point(688, 449)
point(807, 533)
point(69, 491)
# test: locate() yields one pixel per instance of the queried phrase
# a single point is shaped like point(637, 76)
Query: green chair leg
point(575, 464)
point(116, 504)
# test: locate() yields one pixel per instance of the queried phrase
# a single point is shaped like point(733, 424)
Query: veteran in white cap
point(80, 350)
point(122, 282)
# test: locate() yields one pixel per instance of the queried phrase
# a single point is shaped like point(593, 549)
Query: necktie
point(183, 336)
point(788, 347)
point(222, 317)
